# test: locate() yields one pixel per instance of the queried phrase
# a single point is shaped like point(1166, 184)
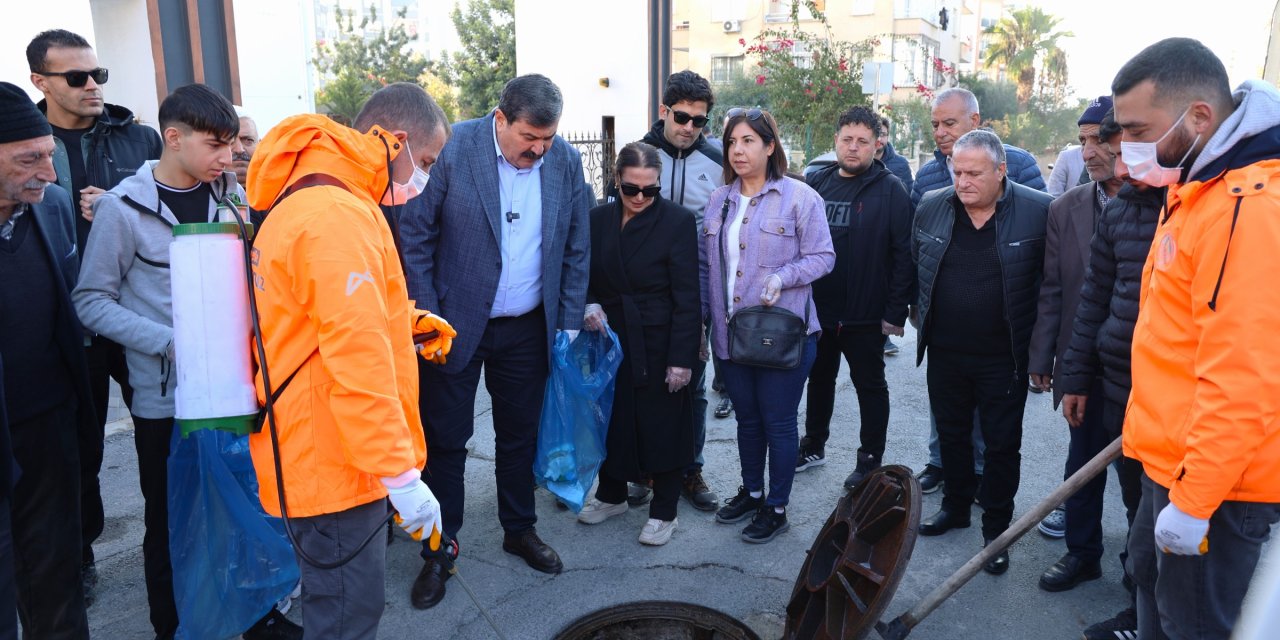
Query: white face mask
point(402, 193)
point(1141, 158)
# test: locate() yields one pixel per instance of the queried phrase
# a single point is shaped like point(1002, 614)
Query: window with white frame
point(725, 68)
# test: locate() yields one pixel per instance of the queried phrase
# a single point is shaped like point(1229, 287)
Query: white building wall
point(578, 42)
point(275, 45)
point(124, 47)
point(23, 20)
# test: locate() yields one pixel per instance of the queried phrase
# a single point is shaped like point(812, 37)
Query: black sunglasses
point(683, 118)
point(752, 114)
point(77, 78)
point(630, 190)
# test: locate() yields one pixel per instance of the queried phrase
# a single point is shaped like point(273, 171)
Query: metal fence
point(598, 154)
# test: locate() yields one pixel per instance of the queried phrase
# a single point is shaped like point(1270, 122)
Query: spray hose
point(271, 413)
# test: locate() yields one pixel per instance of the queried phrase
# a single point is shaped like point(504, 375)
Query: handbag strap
point(724, 263)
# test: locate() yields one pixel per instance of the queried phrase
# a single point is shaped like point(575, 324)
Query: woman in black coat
point(644, 285)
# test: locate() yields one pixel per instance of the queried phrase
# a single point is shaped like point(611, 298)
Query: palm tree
point(1024, 40)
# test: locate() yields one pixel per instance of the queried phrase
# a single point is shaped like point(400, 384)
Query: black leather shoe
point(724, 408)
point(533, 550)
point(428, 587)
point(1068, 572)
point(998, 564)
point(942, 522)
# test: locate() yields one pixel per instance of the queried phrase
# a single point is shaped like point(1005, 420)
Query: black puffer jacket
point(1103, 331)
point(1021, 216)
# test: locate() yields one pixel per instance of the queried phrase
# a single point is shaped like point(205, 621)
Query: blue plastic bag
point(575, 414)
point(231, 561)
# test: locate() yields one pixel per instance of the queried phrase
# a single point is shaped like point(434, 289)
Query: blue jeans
point(699, 415)
point(1195, 597)
point(766, 403)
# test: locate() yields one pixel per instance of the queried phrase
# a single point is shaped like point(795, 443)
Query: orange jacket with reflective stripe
point(1204, 415)
point(334, 306)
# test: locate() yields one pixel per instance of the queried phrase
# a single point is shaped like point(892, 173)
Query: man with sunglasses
point(691, 170)
point(96, 145)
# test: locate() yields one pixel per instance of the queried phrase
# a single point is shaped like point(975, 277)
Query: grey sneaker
point(1054, 525)
point(595, 511)
point(658, 532)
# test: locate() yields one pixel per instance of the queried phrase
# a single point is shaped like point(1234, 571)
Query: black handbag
point(762, 336)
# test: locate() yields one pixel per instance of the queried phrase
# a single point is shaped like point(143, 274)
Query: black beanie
point(21, 119)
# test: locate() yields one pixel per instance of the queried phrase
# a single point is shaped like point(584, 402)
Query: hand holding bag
point(762, 336)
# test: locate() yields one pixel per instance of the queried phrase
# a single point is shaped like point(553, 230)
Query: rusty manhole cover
point(857, 560)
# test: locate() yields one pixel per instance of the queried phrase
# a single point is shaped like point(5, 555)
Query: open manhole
point(657, 620)
point(847, 579)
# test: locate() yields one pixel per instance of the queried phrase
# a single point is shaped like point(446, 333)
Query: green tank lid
point(238, 425)
point(204, 228)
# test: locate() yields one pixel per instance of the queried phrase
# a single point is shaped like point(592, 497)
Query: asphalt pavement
point(705, 563)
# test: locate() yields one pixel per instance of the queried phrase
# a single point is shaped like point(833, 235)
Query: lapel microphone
point(512, 216)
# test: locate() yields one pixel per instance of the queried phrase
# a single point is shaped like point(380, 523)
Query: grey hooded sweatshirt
point(123, 292)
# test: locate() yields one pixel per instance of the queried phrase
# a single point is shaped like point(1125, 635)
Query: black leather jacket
point(1021, 215)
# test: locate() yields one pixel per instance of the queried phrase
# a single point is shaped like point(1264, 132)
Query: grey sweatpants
point(344, 603)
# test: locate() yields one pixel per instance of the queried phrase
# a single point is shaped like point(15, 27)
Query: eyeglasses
point(630, 190)
point(683, 118)
point(77, 78)
point(751, 114)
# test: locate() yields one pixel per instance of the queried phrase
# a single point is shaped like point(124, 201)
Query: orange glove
point(434, 349)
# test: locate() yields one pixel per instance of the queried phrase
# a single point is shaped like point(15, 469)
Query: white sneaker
point(595, 511)
point(658, 532)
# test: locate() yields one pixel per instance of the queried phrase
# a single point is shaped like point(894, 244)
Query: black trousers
point(863, 349)
point(46, 526)
point(959, 383)
point(8, 595)
point(106, 362)
point(513, 355)
point(666, 492)
point(1102, 424)
point(152, 439)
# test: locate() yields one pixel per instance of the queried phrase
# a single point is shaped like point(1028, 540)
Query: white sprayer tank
point(211, 329)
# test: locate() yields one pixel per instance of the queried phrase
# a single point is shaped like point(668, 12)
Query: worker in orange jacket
point(1204, 414)
point(338, 331)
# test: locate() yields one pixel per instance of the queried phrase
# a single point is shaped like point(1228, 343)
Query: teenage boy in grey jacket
point(124, 292)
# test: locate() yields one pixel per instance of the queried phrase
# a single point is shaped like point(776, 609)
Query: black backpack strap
point(275, 396)
point(307, 181)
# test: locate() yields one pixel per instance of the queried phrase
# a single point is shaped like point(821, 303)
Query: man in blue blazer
point(47, 400)
point(498, 244)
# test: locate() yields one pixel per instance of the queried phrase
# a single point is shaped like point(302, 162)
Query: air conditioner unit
point(732, 26)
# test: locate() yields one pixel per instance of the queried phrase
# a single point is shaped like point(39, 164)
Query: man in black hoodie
point(691, 170)
point(96, 145)
point(865, 297)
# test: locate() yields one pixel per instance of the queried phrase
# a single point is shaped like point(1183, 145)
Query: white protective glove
point(594, 318)
point(677, 378)
point(572, 333)
point(1181, 534)
point(418, 508)
point(772, 290)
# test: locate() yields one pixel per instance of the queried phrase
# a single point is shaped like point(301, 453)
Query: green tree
point(353, 66)
point(1025, 41)
point(488, 57)
point(442, 93)
point(810, 78)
